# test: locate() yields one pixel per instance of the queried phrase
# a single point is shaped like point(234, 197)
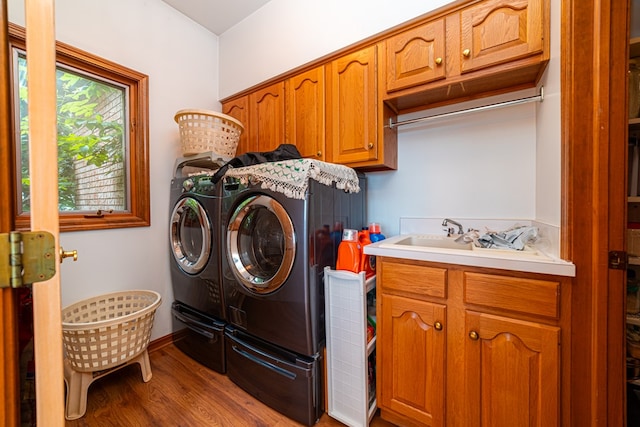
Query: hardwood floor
point(181, 393)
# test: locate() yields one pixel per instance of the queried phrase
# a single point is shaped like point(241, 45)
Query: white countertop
point(532, 262)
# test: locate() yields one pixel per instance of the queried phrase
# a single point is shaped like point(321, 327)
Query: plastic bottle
point(349, 251)
point(375, 233)
point(367, 262)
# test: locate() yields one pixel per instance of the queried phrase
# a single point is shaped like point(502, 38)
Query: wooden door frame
point(591, 124)
point(594, 50)
point(9, 357)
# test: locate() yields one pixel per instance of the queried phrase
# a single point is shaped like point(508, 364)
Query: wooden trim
point(164, 341)
point(9, 357)
point(47, 318)
point(139, 214)
point(614, 304)
point(592, 206)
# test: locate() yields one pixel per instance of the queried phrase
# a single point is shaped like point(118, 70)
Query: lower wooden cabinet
point(465, 346)
point(511, 372)
point(411, 364)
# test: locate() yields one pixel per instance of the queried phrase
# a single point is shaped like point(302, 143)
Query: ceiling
point(217, 15)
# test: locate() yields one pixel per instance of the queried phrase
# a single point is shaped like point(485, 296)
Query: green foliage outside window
point(91, 129)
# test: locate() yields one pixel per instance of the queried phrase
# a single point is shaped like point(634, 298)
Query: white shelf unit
point(350, 398)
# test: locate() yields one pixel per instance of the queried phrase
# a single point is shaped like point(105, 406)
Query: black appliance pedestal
point(199, 336)
point(289, 383)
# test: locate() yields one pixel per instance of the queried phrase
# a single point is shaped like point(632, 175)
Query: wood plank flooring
point(181, 393)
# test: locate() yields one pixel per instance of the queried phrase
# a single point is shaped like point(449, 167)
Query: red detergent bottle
point(349, 251)
point(367, 262)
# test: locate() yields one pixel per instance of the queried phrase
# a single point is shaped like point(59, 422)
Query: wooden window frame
point(138, 214)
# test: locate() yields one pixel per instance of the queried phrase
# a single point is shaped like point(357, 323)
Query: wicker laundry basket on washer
point(101, 335)
point(203, 130)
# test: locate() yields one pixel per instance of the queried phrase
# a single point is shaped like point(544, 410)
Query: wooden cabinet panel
point(490, 46)
point(412, 351)
point(239, 109)
point(538, 297)
point(352, 108)
point(416, 56)
point(413, 280)
point(496, 369)
point(497, 31)
point(511, 372)
point(305, 113)
point(267, 117)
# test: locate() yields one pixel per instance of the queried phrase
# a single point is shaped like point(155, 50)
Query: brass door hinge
point(26, 257)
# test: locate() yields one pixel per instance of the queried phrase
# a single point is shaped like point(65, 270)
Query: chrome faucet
point(449, 230)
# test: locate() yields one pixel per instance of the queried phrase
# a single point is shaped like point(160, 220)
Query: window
point(102, 140)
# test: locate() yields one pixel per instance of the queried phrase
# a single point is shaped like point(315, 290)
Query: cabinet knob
point(370, 145)
point(438, 326)
point(319, 154)
point(438, 61)
point(466, 53)
point(474, 335)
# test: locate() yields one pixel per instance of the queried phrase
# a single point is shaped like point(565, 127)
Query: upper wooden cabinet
point(485, 48)
point(352, 108)
point(497, 31)
point(263, 115)
point(339, 108)
point(267, 117)
point(239, 109)
point(416, 56)
point(305, 113)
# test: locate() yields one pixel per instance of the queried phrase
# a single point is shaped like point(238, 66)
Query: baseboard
point(164, 341)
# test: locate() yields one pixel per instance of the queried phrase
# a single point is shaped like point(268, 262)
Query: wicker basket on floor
point(101, 335)
point(203, 131)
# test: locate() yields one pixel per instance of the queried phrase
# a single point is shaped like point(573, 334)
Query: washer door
point(261, 244)
point(190, 234)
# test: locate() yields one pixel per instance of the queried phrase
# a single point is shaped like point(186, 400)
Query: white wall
point(181, 60)
point(503, 164)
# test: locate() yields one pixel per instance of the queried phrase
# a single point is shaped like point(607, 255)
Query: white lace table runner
point(291, 177)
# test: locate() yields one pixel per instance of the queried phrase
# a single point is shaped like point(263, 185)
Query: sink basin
point(436, 242)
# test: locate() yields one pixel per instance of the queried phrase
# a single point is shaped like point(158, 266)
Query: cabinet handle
point(466, 53)
point(319, 154)
point(474, 335)
point(438, 61)
point(438, 326)
point(370, 145)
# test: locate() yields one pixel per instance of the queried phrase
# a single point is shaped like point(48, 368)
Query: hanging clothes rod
point(539, 97)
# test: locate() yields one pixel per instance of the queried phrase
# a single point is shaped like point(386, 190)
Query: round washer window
point(261, 244)
point(190, 234)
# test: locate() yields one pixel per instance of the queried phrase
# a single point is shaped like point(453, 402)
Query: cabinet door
point(416, 56)
point(511, 372)
point(239, 109)
point(497, 31)
point(352, 108)
point(267, 117)
point(305, 113)
point(411, 355)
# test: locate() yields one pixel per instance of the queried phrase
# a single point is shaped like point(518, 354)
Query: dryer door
point(261, 244)
point(190, 234)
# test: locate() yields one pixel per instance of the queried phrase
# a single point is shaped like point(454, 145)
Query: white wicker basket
point(203, 131)
point(106, 331)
